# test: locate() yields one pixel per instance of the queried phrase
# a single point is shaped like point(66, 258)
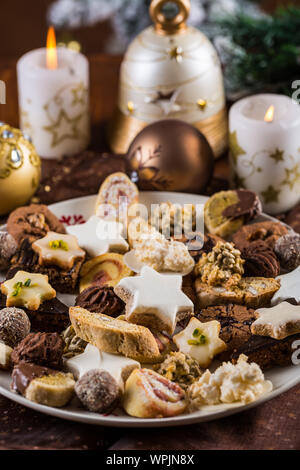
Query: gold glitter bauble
point(171, 155)
point(20, 168)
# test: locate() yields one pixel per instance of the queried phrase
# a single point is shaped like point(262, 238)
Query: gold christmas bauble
point(171, 155)
point(20, 168)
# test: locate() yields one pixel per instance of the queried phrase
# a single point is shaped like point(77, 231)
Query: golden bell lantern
point(170, 71)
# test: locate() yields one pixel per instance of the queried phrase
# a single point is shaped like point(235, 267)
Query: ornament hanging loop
point(164, 25)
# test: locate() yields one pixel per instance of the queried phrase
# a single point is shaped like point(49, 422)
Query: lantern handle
point(164, 25)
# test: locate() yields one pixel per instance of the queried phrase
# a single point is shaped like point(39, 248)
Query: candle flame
point(269, 116)
point(51, 55)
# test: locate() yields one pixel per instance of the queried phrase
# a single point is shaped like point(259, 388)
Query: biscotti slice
point(216, 295)
point(115, 336)
point(258, 291)
point(253, 292)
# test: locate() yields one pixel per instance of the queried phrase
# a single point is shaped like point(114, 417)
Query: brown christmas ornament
point(171, 155)
point(20, 168)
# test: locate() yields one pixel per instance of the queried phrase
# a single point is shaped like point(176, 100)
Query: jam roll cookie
point(116, 195)
point(149, 395)
point(104, 270)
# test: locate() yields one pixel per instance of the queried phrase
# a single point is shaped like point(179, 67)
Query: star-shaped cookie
point(99, 236)
point(27, 290)
point(277, 322)
point(289, 287)
point(58, 249)
point(200, 340)
point(120, 367)
point(154, 300)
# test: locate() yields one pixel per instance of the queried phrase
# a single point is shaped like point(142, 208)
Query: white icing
point(99, 236)
point(160, 294)
point(119, 367)
point(289, 287)
point(203, 353)
point(58, 256)
point(277, 317)
point(29, 297)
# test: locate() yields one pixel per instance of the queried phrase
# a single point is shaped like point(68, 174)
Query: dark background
point(23, 27)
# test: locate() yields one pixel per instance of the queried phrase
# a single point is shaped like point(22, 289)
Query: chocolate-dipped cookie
point(226, 211)
point(287, 248)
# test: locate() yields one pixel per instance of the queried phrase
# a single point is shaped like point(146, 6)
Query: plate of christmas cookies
point(145, 309)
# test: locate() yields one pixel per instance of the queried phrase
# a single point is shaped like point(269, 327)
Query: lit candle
point(265, 149)
point(53, 86)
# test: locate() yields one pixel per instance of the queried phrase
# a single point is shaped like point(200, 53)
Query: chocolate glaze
point(24, 373)
point(248, 206)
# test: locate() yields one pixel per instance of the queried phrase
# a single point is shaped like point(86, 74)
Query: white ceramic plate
point(283, 378)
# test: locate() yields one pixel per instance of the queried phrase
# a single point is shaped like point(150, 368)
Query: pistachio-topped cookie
point(60, 250)
point(27, 290)
point(201, 341)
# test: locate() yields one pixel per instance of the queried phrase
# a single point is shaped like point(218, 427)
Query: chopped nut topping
point(180, 368)
point(222, 266)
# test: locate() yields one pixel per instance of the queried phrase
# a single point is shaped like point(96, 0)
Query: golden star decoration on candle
point(53, 95)
point(64, 128)
point(79, 94)
point(264, 142)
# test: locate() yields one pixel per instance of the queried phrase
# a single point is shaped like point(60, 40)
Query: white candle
point(53, 100)
point(265, 155)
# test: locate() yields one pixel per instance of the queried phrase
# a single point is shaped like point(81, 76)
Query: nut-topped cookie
point(33, 222)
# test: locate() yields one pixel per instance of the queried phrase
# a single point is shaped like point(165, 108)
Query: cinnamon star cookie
point(154, 300)
point(277, 322)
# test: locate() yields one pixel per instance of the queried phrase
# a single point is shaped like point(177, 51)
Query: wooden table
point(273, 425)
